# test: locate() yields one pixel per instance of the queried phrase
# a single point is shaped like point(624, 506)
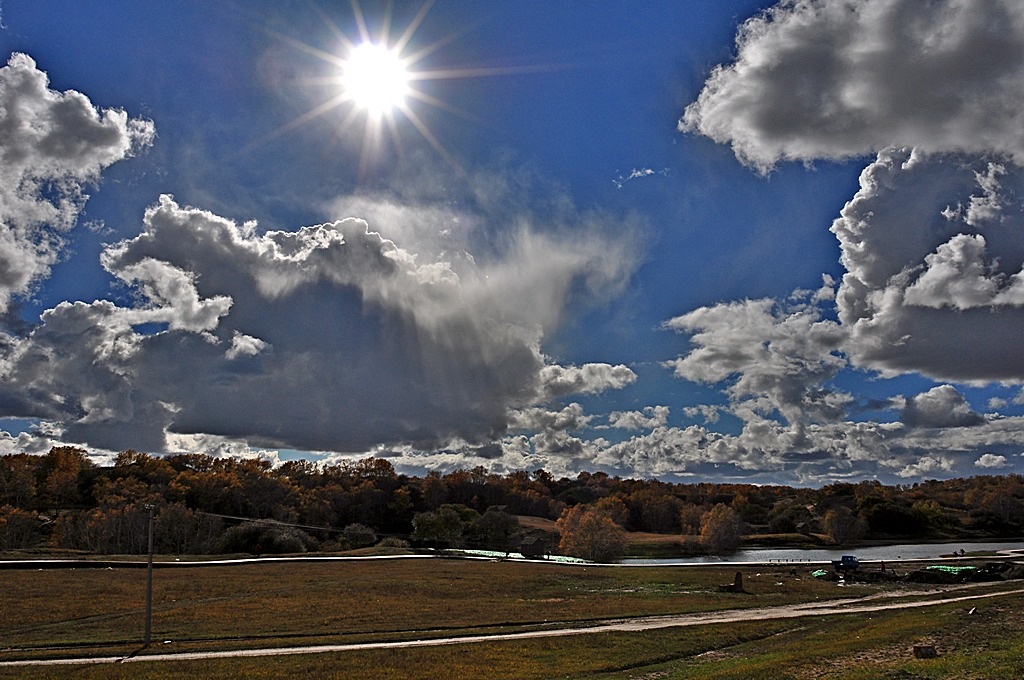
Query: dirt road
point(873, 603)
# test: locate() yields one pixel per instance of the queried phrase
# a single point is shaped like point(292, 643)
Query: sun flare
point(375, 78)
point(381, 81)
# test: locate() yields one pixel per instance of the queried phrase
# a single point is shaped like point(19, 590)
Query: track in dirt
point(831, 608)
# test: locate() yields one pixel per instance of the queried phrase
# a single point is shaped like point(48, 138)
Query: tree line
point(202, 504)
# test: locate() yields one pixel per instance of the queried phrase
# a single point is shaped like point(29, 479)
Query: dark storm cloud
point(330, 337)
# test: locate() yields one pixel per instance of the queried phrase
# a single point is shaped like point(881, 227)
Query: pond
point(905, 551)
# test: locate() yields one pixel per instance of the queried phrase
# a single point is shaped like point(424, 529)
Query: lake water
point(906, 551)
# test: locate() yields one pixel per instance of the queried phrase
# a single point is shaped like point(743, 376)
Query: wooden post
point(149, 582)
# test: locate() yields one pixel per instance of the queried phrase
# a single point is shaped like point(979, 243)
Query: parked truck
point(846, 563)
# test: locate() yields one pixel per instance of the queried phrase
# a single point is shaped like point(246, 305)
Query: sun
point(381, 82)
point(375, 78)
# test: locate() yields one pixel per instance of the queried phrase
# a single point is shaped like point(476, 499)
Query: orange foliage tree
point(590, 534)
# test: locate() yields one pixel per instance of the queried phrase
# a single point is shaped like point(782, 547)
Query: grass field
point(87, 612)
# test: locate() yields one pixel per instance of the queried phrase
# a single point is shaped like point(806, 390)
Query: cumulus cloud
point(557, 444)
point(815, 80)
point(940, 406)
point(996, 403)
point(243, 345)
point(710, 413)
point(927, 466)
point(572, 417)
point(52, 146)
point(771, 452)
point(330, 337)
point(559, 381)
point(775, 358)
point(763, 450)
point(931, 242)
point(25, 442)
point(991, 461)
point(649, 418)
point(934, 283)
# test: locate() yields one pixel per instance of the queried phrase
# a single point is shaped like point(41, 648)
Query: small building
point(533, 546)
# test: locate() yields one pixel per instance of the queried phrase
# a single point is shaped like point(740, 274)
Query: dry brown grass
point(348, 600)
point(267, 604)
point(536, 523)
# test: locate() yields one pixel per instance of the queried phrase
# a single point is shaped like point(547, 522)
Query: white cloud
point(772, 452)
point(996, 403)
point(927, 466)
point(815, 80)
point(173, 296)
point(708, 412)
point(958, 276)
point(775, 358)
point(243, 345)
point(572, 417)
point(932, 286)
point(219, 447)
point(649, 418)
point(991, 461)
point(24, 442)
point(940, 406)
point(932, 241)
point(52, 146)
point(559, 381)
point(557, 444)
point(640, 173)
point(331, 337)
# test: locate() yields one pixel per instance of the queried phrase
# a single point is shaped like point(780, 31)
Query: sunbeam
point(376, 79)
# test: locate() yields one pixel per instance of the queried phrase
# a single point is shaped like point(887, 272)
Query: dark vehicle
point(846, 563)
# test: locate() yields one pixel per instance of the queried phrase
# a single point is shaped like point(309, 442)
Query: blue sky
point(694, 240)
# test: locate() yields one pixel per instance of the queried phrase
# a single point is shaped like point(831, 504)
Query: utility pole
point(149, 581)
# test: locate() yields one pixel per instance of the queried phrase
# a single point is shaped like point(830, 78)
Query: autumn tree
point(590, 534)
point(842, 524)
point(614, 508)
point(1004, 501)
point(496, 529)
point(179, 530)
point(18, 480)
point(689, 519)
point(61, 468)
point(359, 535)
point(720, 529)
point(266, 537)
point(933, 516)
point(441, 527)
point(889, 516)
point(655, 510)
point(19, 529)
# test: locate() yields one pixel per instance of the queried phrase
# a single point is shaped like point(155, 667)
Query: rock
point(925, 652)
point(735, 587)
